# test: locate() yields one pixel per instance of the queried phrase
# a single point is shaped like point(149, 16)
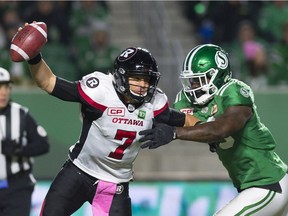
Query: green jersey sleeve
point(182, 103)
point(236, 93)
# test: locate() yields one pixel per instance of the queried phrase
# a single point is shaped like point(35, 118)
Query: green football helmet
point(205, 70)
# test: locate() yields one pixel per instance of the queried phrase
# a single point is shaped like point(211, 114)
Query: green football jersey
point(248, 155)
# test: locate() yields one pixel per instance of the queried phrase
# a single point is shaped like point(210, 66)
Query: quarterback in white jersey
point(114, 108)
point(109, 144)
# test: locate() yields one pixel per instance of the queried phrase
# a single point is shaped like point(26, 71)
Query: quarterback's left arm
point(191, 120)
point(180, 119)
point(175, 118)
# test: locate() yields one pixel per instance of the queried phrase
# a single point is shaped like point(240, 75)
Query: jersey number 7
point(120, 135)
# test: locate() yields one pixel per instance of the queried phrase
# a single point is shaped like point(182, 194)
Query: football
point(27, 42)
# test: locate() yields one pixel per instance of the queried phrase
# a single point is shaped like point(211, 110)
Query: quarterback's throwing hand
point(159, 135)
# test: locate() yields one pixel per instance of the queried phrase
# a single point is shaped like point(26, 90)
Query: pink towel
point(103, 198)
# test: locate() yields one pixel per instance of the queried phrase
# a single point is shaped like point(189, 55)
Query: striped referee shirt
point(17, 124)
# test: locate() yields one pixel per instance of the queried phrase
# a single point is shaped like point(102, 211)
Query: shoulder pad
point(159, 91)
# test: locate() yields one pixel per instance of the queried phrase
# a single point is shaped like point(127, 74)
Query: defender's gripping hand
point(11, 147)
point(159, 135)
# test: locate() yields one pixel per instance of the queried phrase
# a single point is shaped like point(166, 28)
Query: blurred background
point(84, 36)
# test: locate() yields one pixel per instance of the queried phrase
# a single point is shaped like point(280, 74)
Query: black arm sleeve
point(66, 90)
point(37, 139)
point(176, 118)
point(172, 117)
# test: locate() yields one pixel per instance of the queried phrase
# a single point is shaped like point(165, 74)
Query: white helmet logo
point(221, 60)
point(127, 54)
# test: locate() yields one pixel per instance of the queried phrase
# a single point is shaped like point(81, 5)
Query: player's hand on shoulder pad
point(159, 135)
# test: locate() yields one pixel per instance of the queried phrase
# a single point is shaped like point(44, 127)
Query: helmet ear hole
point(121, 71)
point(135, 61)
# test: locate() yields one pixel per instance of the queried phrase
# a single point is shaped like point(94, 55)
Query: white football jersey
point(111, 144)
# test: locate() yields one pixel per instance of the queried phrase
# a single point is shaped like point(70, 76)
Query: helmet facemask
point(199, 87)
point(122, 84)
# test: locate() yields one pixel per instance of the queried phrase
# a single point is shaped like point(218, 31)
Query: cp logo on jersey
point(114, 111)
point(127, 54)
point(187, 111)
point(92, 82)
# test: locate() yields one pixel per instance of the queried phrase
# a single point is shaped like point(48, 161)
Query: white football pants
point(258, 202)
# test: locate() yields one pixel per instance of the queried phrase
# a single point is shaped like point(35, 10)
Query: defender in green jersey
point(232, 127)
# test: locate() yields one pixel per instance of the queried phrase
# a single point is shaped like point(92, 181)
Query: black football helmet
point(135, 61)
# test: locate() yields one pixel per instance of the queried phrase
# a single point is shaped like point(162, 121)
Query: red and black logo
point(116, 111)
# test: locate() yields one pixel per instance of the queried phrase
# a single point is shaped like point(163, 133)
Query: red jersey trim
point(90, 100)
point(157, 112)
